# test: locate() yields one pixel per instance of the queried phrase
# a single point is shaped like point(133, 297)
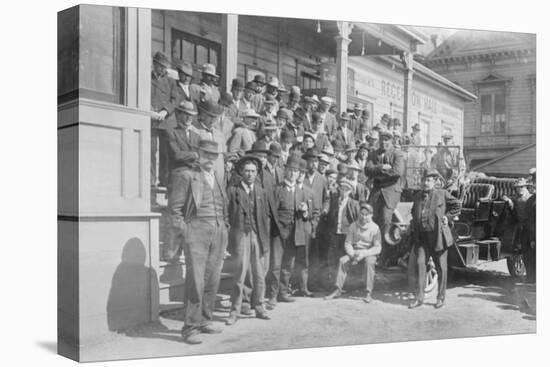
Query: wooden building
point(499, 68)
point(110, 275)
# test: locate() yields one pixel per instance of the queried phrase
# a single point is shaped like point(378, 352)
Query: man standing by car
point(385, 167)
point(432, 211)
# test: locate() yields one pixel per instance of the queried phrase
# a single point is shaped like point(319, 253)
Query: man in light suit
point(198, 209)
point(385, 166)
point(432, 211)
point(207, 89)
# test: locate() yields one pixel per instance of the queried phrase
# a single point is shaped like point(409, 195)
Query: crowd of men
point(296, 193)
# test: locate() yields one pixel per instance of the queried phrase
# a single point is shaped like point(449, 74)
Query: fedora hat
point(357, 106)
point(259, 79)
point(285, 137)
point(209, 146)
point(311, 153)
point(309, 134)
point(248, 158)
point(385, 134)
point(327, 100)
point(396, 121)
point(330, 171)
point(344, 116)
point(284, 114)
point(324, 158)
point(373, 135)
point(348, 148)
point(210, 108)
point(364, 146)
point(230, 157)
point(251, 86)
point(270, 125)
point(187, 107)
point(161, 59)
point(226, 99)
point(237, 83)
point(185, 68)
point(209, 69)
point(378, 127)
point(328, 150)
point(275, 149)
point(416, 127)
point(259, 146)
point(293, 161)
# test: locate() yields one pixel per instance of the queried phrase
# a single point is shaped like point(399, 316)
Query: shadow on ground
point(49, 346)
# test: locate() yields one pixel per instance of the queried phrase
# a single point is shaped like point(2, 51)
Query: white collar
point(247, 188)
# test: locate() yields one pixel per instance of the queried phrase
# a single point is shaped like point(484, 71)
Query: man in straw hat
point(198, 210)
point(292, 212)
point(432, 211)
point(244, 135)
point(207, 89)
point(362, 244)
point(163, 102)
point(520, 207)
point(249, 218)
point(385, 167)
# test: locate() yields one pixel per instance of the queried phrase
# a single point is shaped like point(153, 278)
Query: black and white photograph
point(233, 182)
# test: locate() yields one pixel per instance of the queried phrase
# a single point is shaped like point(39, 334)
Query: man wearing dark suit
point(294, 128)
point(237, 106)
point(163, 102)
point(343, 133)
point(198, 208)
point(385, 166)
point(292, 213)
point(273, 173)
point(249, 217)
point(360, 191)
point(317, 183)
point(432, 211)
point(343, 210)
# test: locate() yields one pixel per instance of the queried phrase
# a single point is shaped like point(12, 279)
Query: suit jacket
point(351, 213)
point(216, 135)
point(294, 132)
point(320, 197)
point(330, 124)
point(361, 193)
point(186, 194)
point(202, 92)
point(271, 180)
point(182, 151)
point(441, 204)
point(257, 102)
point(181, 96)
point(345, 135)
point(291, 224)
point(163, 97)
point(238, 202)
point(388, 181)
point(241, 140)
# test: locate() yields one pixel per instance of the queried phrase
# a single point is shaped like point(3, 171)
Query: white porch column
point(407, 59)
point(230, 40)
point(342, 43)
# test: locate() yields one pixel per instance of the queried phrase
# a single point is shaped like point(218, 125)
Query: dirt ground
point(478, 303)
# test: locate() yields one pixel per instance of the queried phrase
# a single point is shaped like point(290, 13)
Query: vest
point(250, 223)
point(212, 203)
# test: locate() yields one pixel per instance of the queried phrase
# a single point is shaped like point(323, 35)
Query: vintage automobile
point(484, 230)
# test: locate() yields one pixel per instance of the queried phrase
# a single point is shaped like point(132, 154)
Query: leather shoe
point(190, 335)
point(286, 298)
point(334, 294)
point(232, 319)
point(271, 303)
point(210, 329)
point(261, 314)
point(368, 298)
point(416, 303)
point(246, 309)
point(440, 303)
point(304, 293)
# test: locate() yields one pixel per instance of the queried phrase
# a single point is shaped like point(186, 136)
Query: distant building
point(500, 68)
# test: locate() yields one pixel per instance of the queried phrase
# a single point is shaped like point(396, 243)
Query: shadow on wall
point(134, 289)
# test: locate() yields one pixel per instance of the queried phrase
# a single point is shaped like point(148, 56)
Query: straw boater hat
point(160, 58)
point(187, 107)
point(209, 146)
point(209, 69)
point(273, 81)
point(328, 150)
point(324, 159)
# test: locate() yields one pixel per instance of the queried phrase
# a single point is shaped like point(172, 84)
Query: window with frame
point(310, 81)
point(196, 50)
point(493, 108)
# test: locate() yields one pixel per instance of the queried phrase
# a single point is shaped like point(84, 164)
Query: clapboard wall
point(280, 47)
